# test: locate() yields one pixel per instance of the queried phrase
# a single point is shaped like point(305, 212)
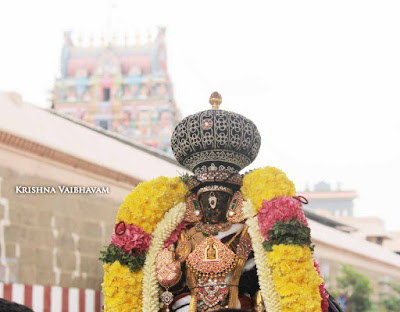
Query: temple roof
point(77, 143)
point(126, 55)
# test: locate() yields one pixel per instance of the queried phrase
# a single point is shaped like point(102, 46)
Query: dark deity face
point(217, 214)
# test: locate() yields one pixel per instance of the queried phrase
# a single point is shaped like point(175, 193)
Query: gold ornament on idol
point(235, 212)
point(211, 188)
point(212, 200)
point(193, 212)
point(168, 274)
point(211, 258)
point(210, 229)
point(215, 100)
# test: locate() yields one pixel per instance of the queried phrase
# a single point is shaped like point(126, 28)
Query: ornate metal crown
point(215, 139)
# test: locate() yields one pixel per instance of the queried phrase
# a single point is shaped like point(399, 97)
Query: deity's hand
point(168, 269)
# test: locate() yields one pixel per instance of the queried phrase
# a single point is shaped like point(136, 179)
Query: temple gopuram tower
point(124, 88)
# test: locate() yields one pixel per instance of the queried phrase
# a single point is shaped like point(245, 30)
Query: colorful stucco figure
point(216, 239)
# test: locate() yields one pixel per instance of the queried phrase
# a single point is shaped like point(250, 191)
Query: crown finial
point(215, 100)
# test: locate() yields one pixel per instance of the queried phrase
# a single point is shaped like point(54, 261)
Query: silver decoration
point(167, 297)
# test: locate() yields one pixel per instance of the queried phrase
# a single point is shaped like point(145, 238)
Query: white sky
point(320, 79)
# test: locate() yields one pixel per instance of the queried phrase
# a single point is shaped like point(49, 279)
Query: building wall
point(394, 242)
point(334, 248)
point(336, 207)
point(53, 239)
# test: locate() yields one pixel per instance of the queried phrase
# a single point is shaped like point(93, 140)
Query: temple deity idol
point(216, 239)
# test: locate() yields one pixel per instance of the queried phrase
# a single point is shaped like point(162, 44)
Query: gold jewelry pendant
point(211, 258)
point(212, 200)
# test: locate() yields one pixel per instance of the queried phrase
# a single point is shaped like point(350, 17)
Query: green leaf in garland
point(292, 232)
point(113, 253)
point(185, 178)
point(267, 245)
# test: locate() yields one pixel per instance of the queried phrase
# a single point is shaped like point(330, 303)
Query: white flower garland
point(267, 286)
point(165, 227)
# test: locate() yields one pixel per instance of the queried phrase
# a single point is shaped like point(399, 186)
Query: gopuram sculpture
point(217, 239)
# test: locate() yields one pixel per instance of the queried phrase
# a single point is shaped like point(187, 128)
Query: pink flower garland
point(279, 209)
point(324, 294)
point(130, 238)
point(284, 209)
point(175, 234)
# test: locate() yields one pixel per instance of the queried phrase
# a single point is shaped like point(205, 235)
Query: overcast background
point(320, 79)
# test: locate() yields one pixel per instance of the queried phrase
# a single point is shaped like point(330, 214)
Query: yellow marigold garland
point(265, 184)
point(162, 232)
point(267, 287)
point(295, 278)
point(144, 207)
point(148, 202)
point(287, 275)
point(121, 288)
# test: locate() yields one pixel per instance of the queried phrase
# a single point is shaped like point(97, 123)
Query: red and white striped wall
point(53, 298)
